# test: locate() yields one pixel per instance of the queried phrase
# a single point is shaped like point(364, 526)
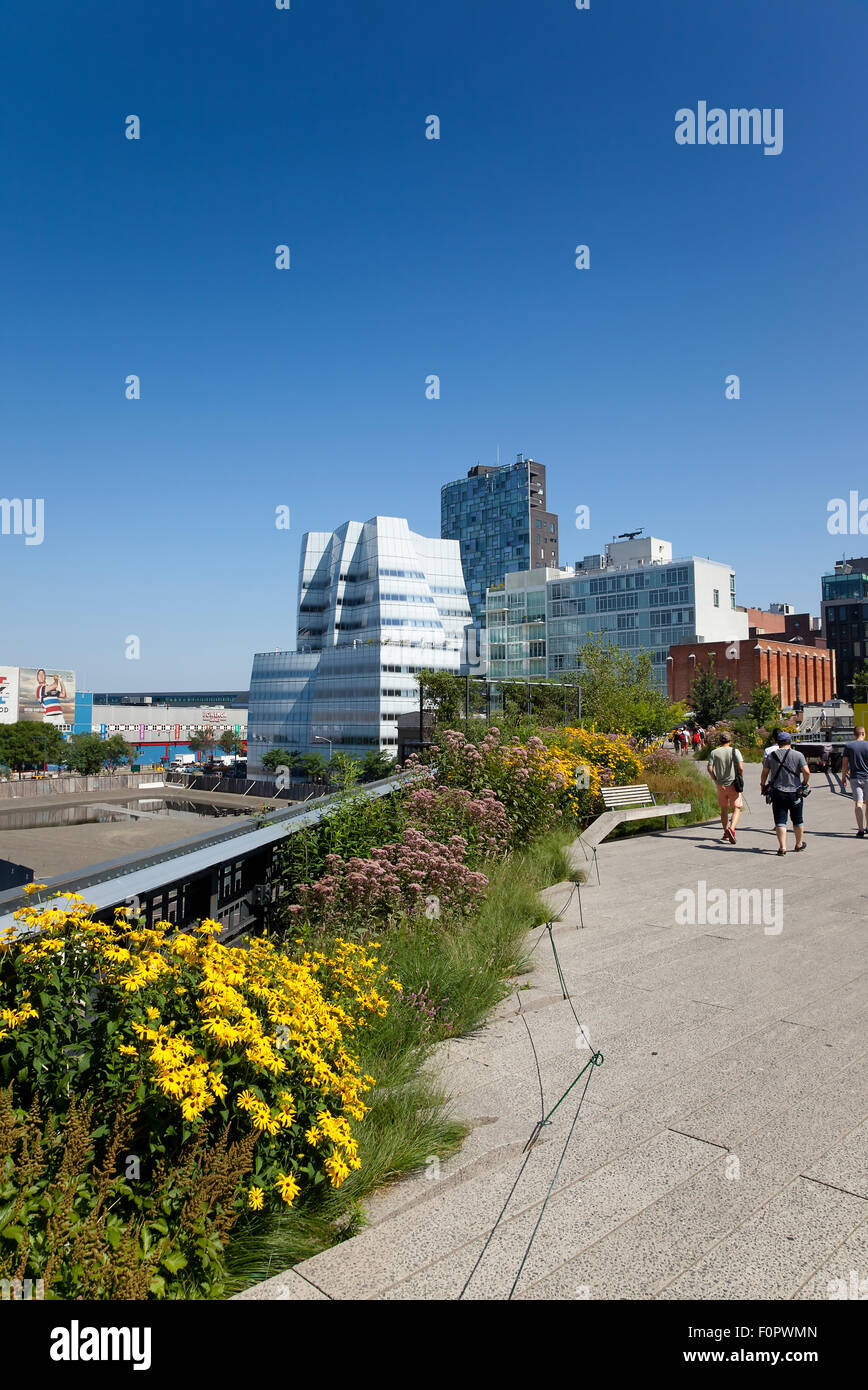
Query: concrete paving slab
point(845, 1164)
point(777, 1248)
point(843, 1277)
point(654, 1246)
point(282, 1287)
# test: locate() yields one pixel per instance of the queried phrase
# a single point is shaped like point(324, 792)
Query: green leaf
point(15, 1233)
point(174, 1262)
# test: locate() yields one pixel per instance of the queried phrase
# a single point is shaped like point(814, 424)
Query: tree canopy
point(27, 744)
point(712, 696)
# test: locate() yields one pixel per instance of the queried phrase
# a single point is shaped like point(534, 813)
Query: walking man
point(784, 778)
point(855, 767)
point(725, 764)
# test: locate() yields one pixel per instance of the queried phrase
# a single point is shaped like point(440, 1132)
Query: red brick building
point(761, 658)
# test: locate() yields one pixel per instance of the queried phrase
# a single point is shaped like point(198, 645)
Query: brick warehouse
point(759, 659)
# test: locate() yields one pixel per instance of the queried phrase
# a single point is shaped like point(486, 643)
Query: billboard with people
point(46, 694)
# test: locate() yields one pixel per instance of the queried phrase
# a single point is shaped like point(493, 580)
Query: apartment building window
point(717, 598)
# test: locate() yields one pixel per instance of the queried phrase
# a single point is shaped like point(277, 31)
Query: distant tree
point(203, 742)
point(619, 691)
point(230, 742)
point(712, 697)
point(87, 753)
point(278, 757)
point(376, 765)
point(27, 744)
point(764, 707)
point(116, 750)
point(311, 766)
point(443, 696)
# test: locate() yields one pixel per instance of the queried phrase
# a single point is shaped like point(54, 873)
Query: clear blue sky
point(411, 257)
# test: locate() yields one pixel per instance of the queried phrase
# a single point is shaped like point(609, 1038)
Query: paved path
point(722, 1148)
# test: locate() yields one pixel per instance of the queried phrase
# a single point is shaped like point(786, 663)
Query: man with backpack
point(726, 769)
point(784, 784)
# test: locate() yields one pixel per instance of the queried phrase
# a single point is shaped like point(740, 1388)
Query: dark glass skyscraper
point(499, 517)
point(845, 620)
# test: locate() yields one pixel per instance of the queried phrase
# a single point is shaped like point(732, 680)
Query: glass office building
point(377, 603)
point(499, 518)
point(636, 596)
point(845, 620)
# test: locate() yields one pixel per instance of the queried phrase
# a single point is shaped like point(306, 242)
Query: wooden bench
point(628, 803)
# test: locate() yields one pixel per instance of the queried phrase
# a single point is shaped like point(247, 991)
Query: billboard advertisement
point(8, 694)
point(46, 694)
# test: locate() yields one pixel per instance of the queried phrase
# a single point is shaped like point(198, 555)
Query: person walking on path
point(784, 782)
point(855, 767)
point(725, 768)
point(676, 742)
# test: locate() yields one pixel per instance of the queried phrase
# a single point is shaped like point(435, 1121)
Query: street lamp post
point(317, 739)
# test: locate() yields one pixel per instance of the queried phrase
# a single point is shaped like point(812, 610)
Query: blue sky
point(306, 387)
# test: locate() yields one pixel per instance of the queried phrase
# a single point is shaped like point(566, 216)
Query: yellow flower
point(336, 1169)
point(254, 1199)
point(287, 1187)
point(128, 1051)
point(34, 888)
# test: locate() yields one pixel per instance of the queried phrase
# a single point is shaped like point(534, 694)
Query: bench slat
point(636, 795)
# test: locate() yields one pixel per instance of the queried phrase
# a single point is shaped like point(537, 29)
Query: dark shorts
point(784, 804)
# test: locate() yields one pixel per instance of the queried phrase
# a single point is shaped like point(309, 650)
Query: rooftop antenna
point(498, 455)
point(630, 535)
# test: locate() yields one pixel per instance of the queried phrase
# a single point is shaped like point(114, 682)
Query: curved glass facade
point(377, 604)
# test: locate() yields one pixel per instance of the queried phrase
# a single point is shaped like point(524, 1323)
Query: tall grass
point(463, 970)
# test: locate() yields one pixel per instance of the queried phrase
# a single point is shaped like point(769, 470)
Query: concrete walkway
point(722, 1147)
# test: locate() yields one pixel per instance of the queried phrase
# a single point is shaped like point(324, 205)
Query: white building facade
point(635, 596)
point(377, 603)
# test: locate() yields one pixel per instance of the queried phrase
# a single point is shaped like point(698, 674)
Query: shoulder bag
point(769, 785)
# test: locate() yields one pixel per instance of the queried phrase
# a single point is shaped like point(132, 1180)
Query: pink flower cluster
point(523, 777)
point(480, 819)
point(417, 877)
